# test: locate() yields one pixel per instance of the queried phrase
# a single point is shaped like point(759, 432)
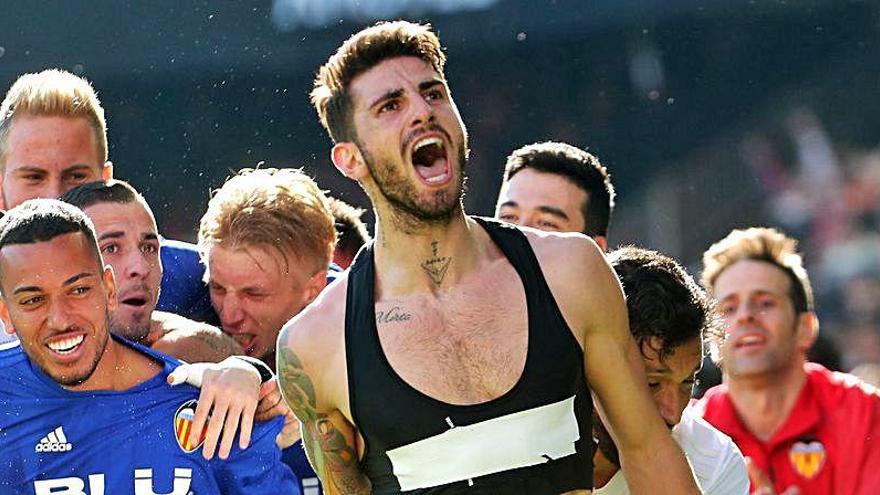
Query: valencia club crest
point(188, 440)
point(807, 458)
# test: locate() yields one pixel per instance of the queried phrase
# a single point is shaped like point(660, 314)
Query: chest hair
point(465, 346)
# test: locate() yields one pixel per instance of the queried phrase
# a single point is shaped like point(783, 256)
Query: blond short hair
point(761, 244)
point(276, 209)
point(53, 93)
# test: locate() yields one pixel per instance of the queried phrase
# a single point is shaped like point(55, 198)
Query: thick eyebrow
point(388, 95)
point(759, 292)
point(113, 234)
point(75, 167)
point(509, 204)
point(552, 210)
point(397, 93)
point(430, 84)
point(69, 281)
point(29, 169)
point(118, 234)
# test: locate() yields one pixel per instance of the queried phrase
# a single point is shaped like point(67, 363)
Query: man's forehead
point(38, 262)
point(390, 75)
point(683, 359)
point(751, 277)
point(133, 216)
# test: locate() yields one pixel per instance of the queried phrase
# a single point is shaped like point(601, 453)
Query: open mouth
point(137, 302)
point(66, 345)
point(750, 342)
point(430, 159)
point(245, 340)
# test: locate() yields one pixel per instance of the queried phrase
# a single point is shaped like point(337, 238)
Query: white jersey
point(715, 459)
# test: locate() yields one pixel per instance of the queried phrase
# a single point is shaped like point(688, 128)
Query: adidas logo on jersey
point(55, 441)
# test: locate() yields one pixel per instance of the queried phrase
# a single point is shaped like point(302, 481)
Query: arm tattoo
point(436, 265)
point(332, 457)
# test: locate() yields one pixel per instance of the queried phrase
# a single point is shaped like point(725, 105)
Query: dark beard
point(409, 212)
point(135, 333)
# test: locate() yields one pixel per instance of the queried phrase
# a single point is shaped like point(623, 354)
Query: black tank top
point(534, 439)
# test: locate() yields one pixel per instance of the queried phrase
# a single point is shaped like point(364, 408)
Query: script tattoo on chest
point(436, 265)
point(393, 315)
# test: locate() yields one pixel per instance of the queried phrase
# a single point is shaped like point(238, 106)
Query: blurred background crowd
point(709, 115)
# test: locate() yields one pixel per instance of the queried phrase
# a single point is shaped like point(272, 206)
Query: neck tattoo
point(436, 265)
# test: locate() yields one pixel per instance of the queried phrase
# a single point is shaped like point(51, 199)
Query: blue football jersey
point(295, 457)
point(55, 441)
point(184, 291)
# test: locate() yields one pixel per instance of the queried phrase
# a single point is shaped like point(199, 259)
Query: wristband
point(262, 368)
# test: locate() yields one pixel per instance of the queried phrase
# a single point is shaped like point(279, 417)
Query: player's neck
point(764, 402)
point(119, 368)
point(430, 259)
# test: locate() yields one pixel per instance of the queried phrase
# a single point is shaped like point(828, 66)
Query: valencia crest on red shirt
point(807, 458)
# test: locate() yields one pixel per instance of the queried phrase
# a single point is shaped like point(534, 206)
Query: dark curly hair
point(662, 300)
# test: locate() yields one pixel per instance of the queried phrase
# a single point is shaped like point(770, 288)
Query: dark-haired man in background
point(557, 187)
point(670, 317)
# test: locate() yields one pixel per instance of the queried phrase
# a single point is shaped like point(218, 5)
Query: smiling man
point(70, 386)
point(805, 429)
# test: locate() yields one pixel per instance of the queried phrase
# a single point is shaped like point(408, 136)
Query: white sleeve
point(717, 462)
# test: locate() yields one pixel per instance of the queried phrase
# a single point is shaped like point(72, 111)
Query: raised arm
point(329, 438)
point(651, 460)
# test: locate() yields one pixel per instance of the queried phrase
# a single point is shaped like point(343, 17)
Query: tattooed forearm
point(436, 265)
point(339, 458)
point(334, 460)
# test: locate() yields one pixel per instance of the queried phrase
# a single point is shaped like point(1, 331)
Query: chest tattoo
point(393, 315)
point(436, 265)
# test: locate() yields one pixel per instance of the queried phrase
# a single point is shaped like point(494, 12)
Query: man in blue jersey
point(129, 242)
point(53, 137)
point(87, 413)
point(267, 238)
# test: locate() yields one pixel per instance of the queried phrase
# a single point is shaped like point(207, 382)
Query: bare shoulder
point(579, 276)
point(313, 341)
point(561, 253)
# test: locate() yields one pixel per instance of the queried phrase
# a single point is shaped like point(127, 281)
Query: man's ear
point(4, 316)
point(347, 158)
point(110, 288)
point(808, 330)
point(107, 171)
point(315, 285)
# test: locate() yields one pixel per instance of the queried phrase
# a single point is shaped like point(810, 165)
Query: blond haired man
point(53, 137)
point(805, 429)
point(267, 239)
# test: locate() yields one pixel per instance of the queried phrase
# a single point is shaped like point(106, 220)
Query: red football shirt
point(829, 445)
